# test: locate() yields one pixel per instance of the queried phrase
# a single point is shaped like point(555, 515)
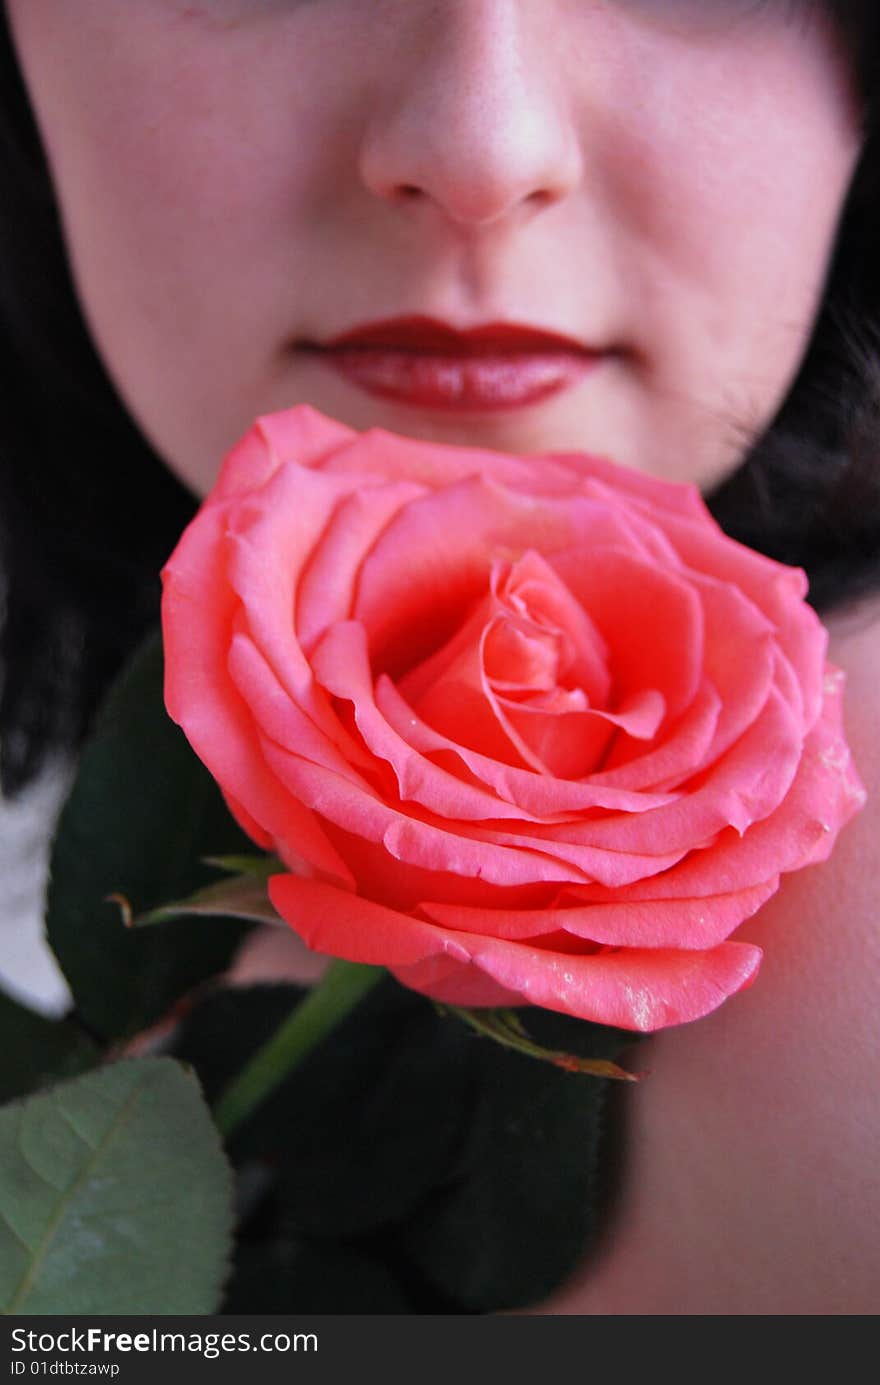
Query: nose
point(473, 124)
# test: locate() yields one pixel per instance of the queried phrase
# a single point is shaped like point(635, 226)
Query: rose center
point(525, 679)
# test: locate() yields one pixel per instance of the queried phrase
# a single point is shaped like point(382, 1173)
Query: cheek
point(162, 145)
point(729, 186)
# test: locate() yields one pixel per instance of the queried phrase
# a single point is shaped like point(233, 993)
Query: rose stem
point(339, 990)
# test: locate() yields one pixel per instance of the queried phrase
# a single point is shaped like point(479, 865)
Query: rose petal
point(630, 988)
point(532, 590)
point(197, 617)
point(776, 590)
point(327, 587)
point(622, 594)
point(454, 694)
point(457, 700)
point(279, 717)
point(825, 793)
point(570, 744)
point(675, 758)
point(731, 623)
point(537, 795)
point(268, 550)
point(744, 786)
point(408, 572)
point(510, 861)
point(439, 466)
point(504, 857)
point(341, 663)
point(615, 483)
point(680, 923)
point(302, 435)
point(249, 824)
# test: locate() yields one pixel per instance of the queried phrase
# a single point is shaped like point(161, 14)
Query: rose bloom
point(525, 730)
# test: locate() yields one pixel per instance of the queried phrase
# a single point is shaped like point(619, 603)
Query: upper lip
point(433, 336)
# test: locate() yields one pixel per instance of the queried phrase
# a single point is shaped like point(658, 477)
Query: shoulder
point(752, 1184)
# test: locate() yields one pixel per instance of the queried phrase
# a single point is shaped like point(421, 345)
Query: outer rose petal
point(504, 859)
point(681, 923)
point(299, 435)
point(630, 988)
point(657, 496)
point(776, 590)
point(269, 547)
point(825, 794)
point(462, 849)
point(281, 719)
point(326, 592)
point(440, 465)
point(249, 824)
point(197, 617)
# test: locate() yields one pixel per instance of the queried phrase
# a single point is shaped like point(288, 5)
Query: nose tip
point(478, 202)
point(474, 132)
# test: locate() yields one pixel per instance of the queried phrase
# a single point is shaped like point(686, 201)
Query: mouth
point(426, 363)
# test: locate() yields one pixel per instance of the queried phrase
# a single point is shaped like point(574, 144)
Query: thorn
point(125, 908)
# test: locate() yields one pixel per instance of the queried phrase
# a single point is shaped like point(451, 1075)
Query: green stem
point(339, 990)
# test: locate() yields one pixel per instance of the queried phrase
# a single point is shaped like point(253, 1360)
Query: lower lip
point(484, 382)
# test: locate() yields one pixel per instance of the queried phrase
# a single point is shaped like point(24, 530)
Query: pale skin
point(661, 181)
point(752, 1184)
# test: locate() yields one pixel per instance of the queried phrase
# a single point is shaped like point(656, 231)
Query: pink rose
point(525, 730)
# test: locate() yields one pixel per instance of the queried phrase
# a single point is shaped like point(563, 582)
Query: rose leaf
point(142, 815)
point(526, 1198)
point(239, 897)
point(115, 1196)
point(366, 1125)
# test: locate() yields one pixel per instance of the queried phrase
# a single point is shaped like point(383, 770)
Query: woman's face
point(242, 181)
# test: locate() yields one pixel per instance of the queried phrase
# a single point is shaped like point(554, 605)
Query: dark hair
point(88, 514)
point(808, 490)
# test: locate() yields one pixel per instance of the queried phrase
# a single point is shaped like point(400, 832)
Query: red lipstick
point(424, 362)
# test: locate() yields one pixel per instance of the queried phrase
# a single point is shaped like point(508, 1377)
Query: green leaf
point(142, 814)
point(366, 1125)
point(260, 866)
point(472, 1172)
point(505, 1027)
point(35, 1050)
point(115, 1196)
point(524, 1200)
point(242, 897)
